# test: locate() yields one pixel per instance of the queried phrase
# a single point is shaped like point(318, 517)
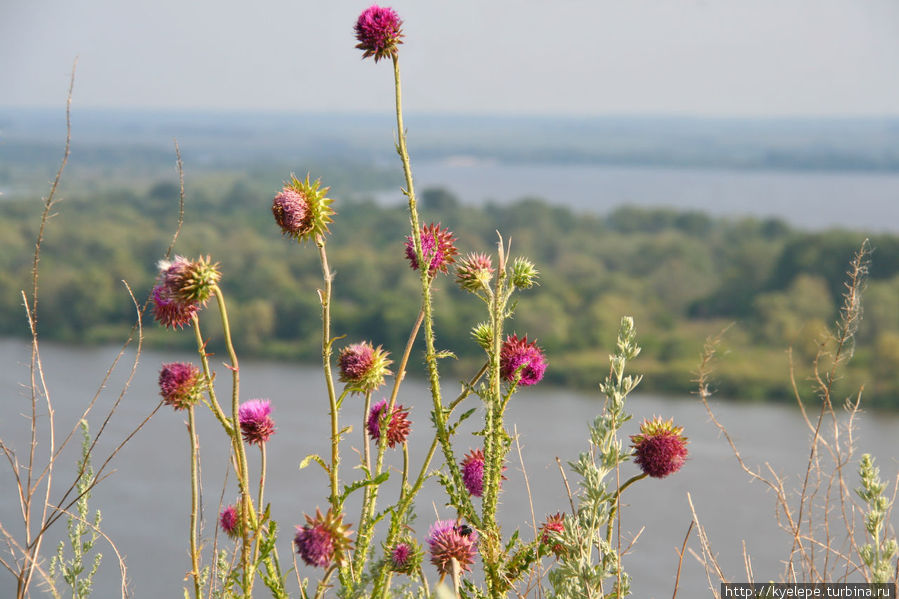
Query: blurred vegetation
point(683, 275)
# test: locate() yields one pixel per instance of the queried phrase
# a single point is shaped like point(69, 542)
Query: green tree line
point(683, 275)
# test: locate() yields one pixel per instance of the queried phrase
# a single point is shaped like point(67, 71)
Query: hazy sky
point(716, 57)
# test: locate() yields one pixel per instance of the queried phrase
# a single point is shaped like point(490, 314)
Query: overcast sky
point(696, 57)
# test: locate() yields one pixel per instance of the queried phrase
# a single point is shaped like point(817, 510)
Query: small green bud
point(524, 273)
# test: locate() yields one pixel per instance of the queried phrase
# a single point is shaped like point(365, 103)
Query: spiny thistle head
point(524, 273)
point(519, 354)
point(405, 556)
point(448, 540)
point(553, 525)
point(230, 521)
point(174, 304)
point(302, 210)
point(323, 539)
point(379, 32)
point(398, 424)
point(437, 248)
point(474, 272)
point(181, 385)
point(483, 334)
point(256, 423)
point(473, 472)
point(192, 281)
point(660, 449)
point(363, 366)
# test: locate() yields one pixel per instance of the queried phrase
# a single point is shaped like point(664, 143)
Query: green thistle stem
point(194, 501)
point(248, 515)
point(207, 372)
point(614, 509)
point(325, 297)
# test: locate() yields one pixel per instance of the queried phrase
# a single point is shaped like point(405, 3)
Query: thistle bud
point(524, 273)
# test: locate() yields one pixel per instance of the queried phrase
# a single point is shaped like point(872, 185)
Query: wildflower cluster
point(327, 541)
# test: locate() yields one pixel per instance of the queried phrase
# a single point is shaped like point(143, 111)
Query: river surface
point(144, 502)
point(806, 199)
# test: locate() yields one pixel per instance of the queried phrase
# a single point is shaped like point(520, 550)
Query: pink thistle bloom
point(379, 32)
point(405, 557)
point(397, 427)
point(553, 525)
point(363, 366)
point(473, 472)
point(181, 385)
point(302, 210)
point(255, 421)
point(474, 272)
point(291, 211)
point(229, 521)
point(436, 247)
point(170, 311)
point(447, 540)
point(518, 353)
point(323, 539)
point(660, 449)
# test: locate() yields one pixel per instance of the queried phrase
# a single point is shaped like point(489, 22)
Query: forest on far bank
point(684, 276)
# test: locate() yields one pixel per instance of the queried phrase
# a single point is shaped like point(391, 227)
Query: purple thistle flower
point(363, 367)
point(255, 421)
point(379, 32)
point(397, 426)
point(302, 210)
point(323, 539)
point(660, 449)
point(291, 211)
point(447, 540)
point(229, 521)
point(170, 311)
point(518, 353)
point(181, 385)
point(473, 472)
point(405, 557)
point(436, 247)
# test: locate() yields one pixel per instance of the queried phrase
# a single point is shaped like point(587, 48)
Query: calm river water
point(144, 503)
point(806, 199)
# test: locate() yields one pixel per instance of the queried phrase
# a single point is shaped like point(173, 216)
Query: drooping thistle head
point(379, 32)
point(474, 272)
point(229, 521)
point(323, 539)
point(448, 540)
point(522, 360)
point(405, 556)
point(256, 423)
point(182, 287)
point(302, 210)
point(660, 449)
point(181, 385)
point(191, 280)
point(363, 367)
point(398, 424)
point(437, 249)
